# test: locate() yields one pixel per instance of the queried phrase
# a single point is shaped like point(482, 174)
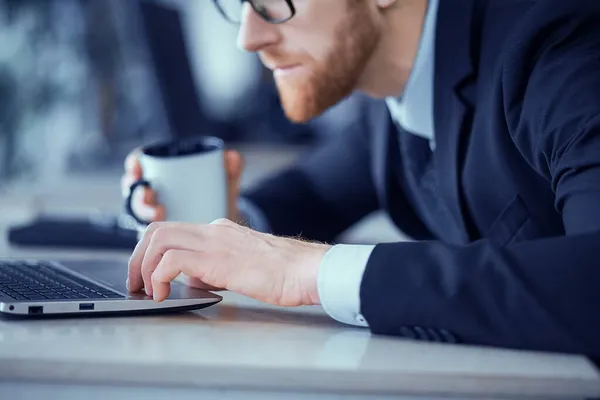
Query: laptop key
point(11, 293)
point(37, 297)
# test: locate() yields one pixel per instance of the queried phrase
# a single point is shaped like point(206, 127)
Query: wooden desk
point(245, 349)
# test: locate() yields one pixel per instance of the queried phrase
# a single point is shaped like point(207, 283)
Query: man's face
point(318, 57)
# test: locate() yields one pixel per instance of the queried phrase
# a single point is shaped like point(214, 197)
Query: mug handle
point(128, 201)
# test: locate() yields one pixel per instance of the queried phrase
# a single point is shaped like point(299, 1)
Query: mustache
point(272, 59)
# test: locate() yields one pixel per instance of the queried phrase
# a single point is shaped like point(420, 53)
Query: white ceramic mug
point(188, 177)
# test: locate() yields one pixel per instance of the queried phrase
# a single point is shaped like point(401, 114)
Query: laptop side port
point(36, 310)
point(86, 306)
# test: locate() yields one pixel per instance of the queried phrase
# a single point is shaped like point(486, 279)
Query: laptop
point(34, 289)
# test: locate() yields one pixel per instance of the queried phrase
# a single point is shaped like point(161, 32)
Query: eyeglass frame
point(289, 3)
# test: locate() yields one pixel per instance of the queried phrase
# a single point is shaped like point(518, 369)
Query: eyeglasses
point(272, 11)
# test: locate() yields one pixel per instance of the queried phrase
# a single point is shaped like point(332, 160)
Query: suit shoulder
point(540, 15)
point(547, 26)
point(542, 5)
point(516, 31)
point(548, 72)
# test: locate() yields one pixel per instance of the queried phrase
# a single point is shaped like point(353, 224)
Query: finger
point(127, 181)
point(160, 213)
point(134, 276)
point(142, 209)
point(150, 197)
point(172, 264)
point(164, 239)
point(134, 272)
point(132, 165)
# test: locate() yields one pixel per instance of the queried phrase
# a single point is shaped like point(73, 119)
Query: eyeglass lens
point(270, 10)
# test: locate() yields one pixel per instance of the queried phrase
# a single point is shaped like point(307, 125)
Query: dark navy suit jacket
point(506, 210)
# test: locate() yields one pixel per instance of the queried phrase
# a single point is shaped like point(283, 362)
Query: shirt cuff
point(339, 279)
point(253, 215)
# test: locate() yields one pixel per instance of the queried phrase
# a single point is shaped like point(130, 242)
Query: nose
point(255, 33)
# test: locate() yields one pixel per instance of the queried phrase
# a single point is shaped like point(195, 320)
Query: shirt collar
point(413, 109)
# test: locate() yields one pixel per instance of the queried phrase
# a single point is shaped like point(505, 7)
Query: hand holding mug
point(148, 205)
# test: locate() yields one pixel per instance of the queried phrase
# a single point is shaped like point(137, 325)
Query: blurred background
point(82, 82)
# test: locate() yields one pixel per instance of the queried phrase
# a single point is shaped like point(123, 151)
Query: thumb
point(233, 166)
point(133, 168)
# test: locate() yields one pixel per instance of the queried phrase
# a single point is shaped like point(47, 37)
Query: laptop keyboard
point(40, 281)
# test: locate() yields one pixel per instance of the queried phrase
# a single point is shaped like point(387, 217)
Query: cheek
point(315, 28)
point(313, 48)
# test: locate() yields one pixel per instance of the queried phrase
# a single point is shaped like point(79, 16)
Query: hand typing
point(150, 207)
point(225, 255)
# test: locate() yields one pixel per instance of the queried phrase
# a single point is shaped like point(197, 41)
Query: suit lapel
point(383, 160)
point(386, 162)
point(456, 53)
point(454, 89)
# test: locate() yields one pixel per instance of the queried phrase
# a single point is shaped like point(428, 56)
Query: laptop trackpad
point(113, 275)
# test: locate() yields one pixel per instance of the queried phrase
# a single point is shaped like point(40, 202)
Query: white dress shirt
point(343, 266)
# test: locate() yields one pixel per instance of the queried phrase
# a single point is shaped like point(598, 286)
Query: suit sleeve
point(326, 192)
point(541, 294)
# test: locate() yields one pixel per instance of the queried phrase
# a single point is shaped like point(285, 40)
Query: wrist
point(310, 269)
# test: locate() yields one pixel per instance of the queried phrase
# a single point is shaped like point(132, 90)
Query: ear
point(384, 3)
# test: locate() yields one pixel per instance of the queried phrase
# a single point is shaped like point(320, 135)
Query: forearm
point(539, 295)
point(293, 207)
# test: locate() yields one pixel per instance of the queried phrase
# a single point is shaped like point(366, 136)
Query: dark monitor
point(146, 40)
point(165, 38)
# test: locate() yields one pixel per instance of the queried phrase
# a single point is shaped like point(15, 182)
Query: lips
point(273, 62)
point(285, 67)
point(281, 65)
point(287, 70)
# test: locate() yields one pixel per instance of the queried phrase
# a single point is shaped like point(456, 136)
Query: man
point(489, 157)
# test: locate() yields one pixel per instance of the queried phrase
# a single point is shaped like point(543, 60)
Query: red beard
point(321, 85)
